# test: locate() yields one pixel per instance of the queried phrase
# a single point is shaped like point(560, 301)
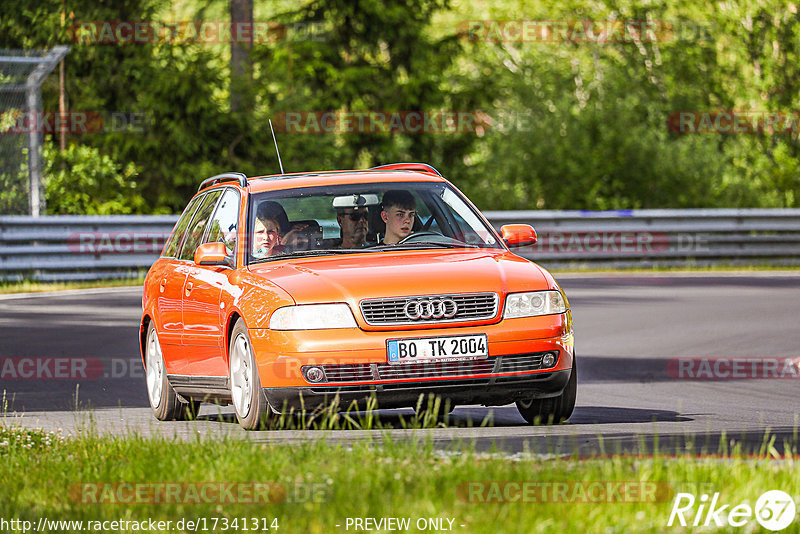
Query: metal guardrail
point(92, 247)
point(84, 247)
point(649, 238)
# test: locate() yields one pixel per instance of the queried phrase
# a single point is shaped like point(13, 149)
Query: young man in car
point(399, 210)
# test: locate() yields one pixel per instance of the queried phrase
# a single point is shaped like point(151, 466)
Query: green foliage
point(584, 126)
point(571, 124)
point(318, 483)
point(81, 180)
point(15, 439)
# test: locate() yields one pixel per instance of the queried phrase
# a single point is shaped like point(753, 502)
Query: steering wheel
point(423, 233)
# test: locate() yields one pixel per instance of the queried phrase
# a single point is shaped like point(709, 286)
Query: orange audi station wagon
point(288, 292)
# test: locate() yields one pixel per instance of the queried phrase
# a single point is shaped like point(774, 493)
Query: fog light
point(315, 374)
point(549, 359)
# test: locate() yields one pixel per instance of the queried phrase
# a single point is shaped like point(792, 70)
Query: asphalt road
point(641, 342)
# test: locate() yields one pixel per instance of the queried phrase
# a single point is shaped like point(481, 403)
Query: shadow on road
point(612, 415)
point(471, 417)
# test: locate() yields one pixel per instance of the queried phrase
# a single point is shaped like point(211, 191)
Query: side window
point(198, 225)
point(424, 214)
point(225, 222)
point(171, 248)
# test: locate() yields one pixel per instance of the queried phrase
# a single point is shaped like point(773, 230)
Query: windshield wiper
point(424, 244)
point(313, 252)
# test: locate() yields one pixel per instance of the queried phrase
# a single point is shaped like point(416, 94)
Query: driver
point(399, 211)
point(353, 222)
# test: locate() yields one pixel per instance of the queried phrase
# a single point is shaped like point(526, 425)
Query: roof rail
point(225, 177)
point(407, 167)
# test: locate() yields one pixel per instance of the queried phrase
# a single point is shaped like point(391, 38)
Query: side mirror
point(518, 235)
point(213, 254)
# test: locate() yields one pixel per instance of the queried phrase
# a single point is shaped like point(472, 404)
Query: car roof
point(277, 182)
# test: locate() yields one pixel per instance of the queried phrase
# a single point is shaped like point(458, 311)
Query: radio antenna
point(276, 146)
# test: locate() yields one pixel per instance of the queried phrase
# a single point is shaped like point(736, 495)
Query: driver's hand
point(292, 234)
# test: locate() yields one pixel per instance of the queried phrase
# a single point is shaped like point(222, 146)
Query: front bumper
point(361, 357)
point(494, 391)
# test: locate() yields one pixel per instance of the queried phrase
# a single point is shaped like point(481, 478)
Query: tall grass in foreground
point(430, 411)
point(317, 485)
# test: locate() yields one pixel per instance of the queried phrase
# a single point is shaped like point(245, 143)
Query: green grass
point(31, 287)
point(37, 287)
point(428, 413)
point(674, 269)
point(314, 486)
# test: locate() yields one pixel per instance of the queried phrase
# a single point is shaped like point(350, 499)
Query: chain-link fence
point(22, 73)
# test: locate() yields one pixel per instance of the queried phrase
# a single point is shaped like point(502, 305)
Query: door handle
point(163, 284)
point(189, 286)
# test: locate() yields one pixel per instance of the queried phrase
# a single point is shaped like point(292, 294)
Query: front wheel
point(552, 410)
point(249, 400)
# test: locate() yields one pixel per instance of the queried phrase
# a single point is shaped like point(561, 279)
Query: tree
point(241, 70)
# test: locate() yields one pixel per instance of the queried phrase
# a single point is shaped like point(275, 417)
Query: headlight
point(312, 317)
point(534, 303)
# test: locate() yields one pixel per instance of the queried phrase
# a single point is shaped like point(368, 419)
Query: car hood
point(351, 278)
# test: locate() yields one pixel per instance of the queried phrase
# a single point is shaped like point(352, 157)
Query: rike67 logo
point(774, 510)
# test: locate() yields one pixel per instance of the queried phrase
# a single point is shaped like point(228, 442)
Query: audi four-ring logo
point(430, 309)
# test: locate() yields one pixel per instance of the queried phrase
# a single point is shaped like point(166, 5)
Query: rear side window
point(194, 234)
point(225, 222)
point(171, 248)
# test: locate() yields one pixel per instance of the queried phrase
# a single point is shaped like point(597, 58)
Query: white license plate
point(450, 348)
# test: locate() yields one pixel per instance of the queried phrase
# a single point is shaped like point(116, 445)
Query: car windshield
point(374, 217)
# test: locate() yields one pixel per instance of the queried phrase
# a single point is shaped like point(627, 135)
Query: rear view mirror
point(518, 235)
point(356, 201)
point(213, 254)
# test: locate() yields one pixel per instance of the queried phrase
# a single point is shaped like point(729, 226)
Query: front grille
point(348, 373)
point(365, 372)
point(520, 362)
point(521, 378)
point(390, 311)
point(434, 369)
point(431, 384)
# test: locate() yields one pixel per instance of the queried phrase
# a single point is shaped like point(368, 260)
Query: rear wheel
point(164, 401)
point(552, 410)
point(249, 400)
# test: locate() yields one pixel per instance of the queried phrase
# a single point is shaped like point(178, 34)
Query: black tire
point(552, 410)
point(164, 402)
point(249, 400)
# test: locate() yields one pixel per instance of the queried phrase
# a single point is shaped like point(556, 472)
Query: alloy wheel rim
point(241, 379)
point(155, 370)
